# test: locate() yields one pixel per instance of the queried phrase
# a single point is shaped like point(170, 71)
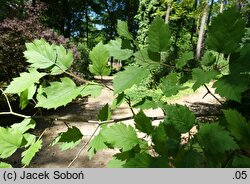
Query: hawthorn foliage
point(224, 143)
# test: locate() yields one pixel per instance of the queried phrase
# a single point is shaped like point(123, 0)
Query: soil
point(81, 111)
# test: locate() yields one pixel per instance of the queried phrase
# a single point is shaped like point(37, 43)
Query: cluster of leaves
point(224, 143)
point(44, 59)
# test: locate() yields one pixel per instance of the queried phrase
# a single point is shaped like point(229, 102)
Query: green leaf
point(105, 113)
point(30, 139)
point(241, 162)
point(10, 141)
point(237, 125)
point(202, 77)
point(5, 165)
point(115, 163)
point(159, 36)
point(159, 139)
point(92, 89)
point(141, 160)
point(127, 78)
point(147, 58)
point(215, 139)
point(143, 123)
point(114, 48)
point(170, 85)
point(147, 103)
point(42, 55)
point(118, 101)
point(25, 125)
point(30, 152)
point(122, 30)
point(25, 81)
point(121, 136)
point(184, 58)
point(208, 59)
point(231, 86)
point(226, 31)
point(190, 159)
point(69, 139)
point(58, 94)
point(99, 56)
point(96, 144)
point(180, 117)
point(27, 95)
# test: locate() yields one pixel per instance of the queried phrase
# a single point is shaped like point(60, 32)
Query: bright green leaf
point(121, 136)
point(5, 165)
point(10, 141)
point(147, 58)
point(25, 81)
point(127, 78)
point(58, 94)
point(25, 125)
point(122, 30)
point(96, 144)
point(115, 163)
point(30, 152)
point(90, 89)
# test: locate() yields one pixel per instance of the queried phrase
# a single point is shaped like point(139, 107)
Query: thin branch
point(66, 124)
point(83, 147)
point(129, 104)
point(14, 114)
point(208, 91)
point(42, 133)
point(8, 102)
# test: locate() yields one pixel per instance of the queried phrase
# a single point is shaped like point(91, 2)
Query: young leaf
point(184, 58)
point(10, 141)
point(202, 77)
point(180, 117)
point(58, 94)
point(25, 81)
point(104, 114)
point(5, 165)
point(96, 144)
point(42, 55)
point(99, 57)
point(122, 30)
point(127, 78)
point(159, 36)
point(25, 125)
point(237, 125)
point(114, 48)
point(30, 152)
point(229, 86)
point(143, 123)
point(226, 31)
point(121, 136)
point(170, 85)
point(215, 139)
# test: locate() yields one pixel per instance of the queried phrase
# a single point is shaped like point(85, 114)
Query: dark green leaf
point(184, 58)
point(143, 123)
point(208, 59)
point(202, 77)
point(241, 162)
point(141, 160)
point(180, 117)
point(104, 113)
point(118, 101)
point(159, 36)
point(226, 31)
point(215, 139)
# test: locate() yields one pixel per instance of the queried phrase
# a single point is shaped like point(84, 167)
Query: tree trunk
point(222, 6)
point(168, 14)
point(193, 31)
point(202, 32)
point(210, 12)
